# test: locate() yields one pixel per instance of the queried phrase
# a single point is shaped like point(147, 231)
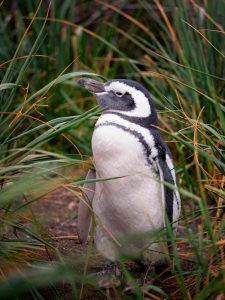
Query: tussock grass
point(175, 48)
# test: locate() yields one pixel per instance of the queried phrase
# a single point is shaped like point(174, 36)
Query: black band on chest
point(136, 134)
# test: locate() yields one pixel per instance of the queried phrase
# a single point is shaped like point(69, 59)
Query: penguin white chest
point(117, 152)
point(132, 203)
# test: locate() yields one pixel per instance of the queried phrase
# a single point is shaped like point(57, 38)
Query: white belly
point(128, 205)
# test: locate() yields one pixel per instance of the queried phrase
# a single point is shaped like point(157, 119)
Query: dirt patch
point(57, 212)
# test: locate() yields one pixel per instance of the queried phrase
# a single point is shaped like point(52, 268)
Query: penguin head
point(126, 97)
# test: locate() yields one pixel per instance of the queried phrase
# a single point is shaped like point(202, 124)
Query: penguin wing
point(84, 209)
point(167, 193)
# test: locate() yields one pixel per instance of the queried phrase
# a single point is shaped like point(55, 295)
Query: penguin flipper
point(84, 209)
point(167, 193)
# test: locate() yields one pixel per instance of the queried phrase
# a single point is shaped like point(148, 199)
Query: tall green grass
point(175, 48)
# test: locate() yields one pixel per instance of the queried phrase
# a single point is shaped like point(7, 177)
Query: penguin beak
point(93, 86)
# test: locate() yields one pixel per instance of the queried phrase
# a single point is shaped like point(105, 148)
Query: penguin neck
point(145, 122)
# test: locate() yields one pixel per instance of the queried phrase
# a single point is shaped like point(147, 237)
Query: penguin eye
point(119, 94)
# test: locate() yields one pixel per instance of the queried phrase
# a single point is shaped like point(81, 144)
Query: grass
point(176, 49)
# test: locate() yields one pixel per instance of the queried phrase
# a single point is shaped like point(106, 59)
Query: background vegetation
point(176, 49)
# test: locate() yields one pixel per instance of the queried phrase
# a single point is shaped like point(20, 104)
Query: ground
point(55, 218)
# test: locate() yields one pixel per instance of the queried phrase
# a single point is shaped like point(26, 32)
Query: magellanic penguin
point(128, 146)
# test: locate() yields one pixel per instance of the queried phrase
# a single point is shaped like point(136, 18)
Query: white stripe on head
point(142, 107)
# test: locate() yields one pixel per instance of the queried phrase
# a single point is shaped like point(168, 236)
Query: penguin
point(126, 193)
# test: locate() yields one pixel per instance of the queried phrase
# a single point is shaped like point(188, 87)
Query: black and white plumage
point(127, 144)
